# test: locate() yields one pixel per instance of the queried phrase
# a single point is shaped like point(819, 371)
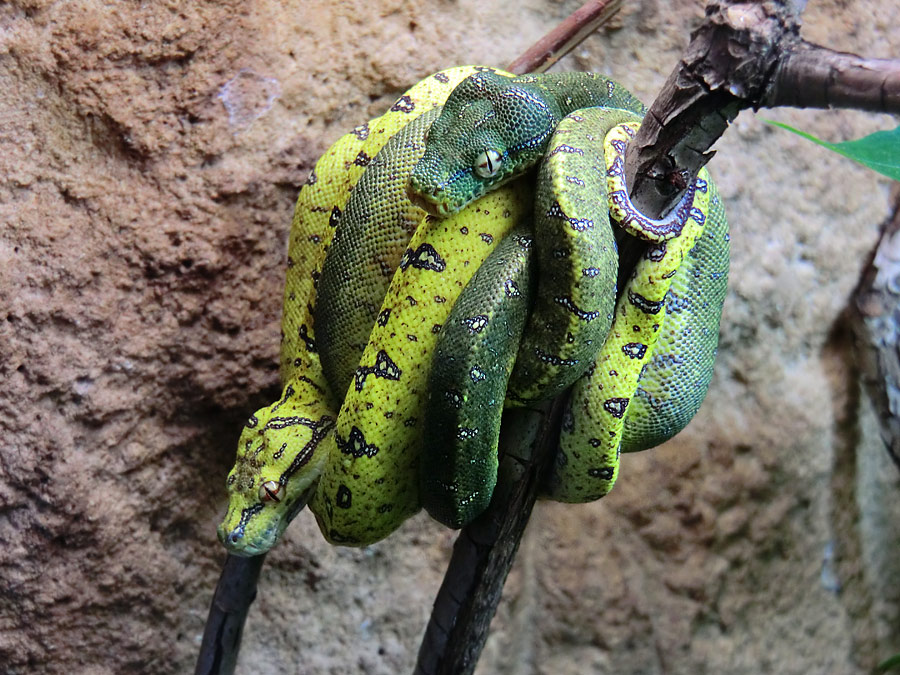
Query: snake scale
point(478, 291)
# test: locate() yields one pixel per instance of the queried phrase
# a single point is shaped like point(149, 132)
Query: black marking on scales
point(603, 473)
point(334, 218)
point(552, 359)
point(303, 334)
point(355, 444)
point(577, 224)
point(287, 422)
point(344, 497)
point(616, 406)
point(288, 392)
point(425, 257)
point(568, 149)
point(361, 132)
point(645, 305)
point(319, 430)
point(403, 104)
point(570, 306)
point(634, 350)
point(246, 515)
point(384, 367)
point(476, 323)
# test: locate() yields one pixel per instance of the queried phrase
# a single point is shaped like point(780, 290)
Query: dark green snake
point(533, 309)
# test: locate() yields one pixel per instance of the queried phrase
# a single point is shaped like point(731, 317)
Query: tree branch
point(811, 76)
point(234, 594)
point(873, 317)
point(565, 37)
point(747, 54)
point(724, 70)
point(484, 551)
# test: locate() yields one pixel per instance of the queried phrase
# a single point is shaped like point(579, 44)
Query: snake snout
point(234, 543)
point(433, 200)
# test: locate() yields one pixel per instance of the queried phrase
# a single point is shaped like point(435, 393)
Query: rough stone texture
point(149, 157)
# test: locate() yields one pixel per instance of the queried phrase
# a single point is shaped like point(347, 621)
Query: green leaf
point(879, 151)
point(889, 664)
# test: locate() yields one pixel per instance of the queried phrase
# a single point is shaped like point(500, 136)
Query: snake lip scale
point(434, 201)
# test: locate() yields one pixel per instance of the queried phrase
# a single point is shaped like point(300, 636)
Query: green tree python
point(478, 291)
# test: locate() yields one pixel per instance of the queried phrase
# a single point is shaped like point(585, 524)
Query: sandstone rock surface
point(150, 154)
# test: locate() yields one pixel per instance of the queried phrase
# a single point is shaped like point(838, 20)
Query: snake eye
point(268, 492)
point(488, 163)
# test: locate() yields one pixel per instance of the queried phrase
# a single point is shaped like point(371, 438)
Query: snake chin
point(248, 549)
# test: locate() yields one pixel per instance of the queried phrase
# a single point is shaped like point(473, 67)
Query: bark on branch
point(811, 76)
point(747, 54)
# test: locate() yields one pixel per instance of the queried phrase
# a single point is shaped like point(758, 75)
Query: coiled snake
point(477, 291)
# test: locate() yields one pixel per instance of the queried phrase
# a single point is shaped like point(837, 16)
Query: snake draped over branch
point(456, 256)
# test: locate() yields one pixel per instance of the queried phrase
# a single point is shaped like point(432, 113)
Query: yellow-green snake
point(428, 325)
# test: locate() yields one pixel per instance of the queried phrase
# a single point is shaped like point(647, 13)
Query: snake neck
point(573, 91)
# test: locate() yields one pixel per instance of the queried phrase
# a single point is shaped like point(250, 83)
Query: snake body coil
point(533, 309)
point(284, 448)
point(560, 342)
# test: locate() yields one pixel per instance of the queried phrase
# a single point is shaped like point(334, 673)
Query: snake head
point(492, 128)
point(276, 470)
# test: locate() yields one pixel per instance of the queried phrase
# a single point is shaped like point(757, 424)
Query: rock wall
point(150, 154)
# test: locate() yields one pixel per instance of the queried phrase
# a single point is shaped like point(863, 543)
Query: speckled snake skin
point(446, 262)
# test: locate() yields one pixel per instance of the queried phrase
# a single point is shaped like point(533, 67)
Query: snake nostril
point(235, 537)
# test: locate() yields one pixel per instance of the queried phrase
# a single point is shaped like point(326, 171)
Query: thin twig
point(565, 37)
point(234, 594)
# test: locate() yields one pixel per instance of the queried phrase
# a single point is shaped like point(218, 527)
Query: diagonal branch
point(565, 37)
point(484, 551)
point(747, 54)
